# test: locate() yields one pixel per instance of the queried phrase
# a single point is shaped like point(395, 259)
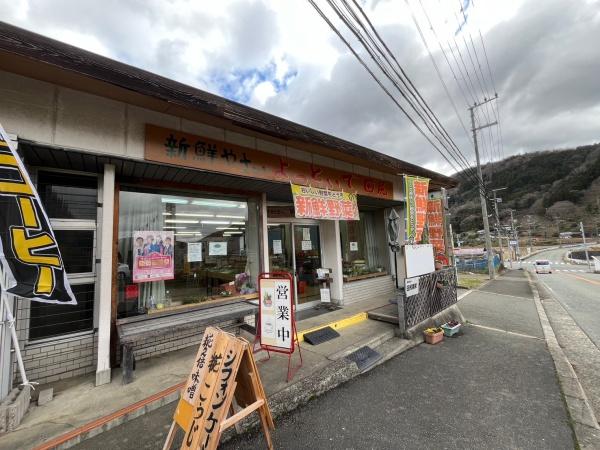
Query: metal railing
point(437, 291)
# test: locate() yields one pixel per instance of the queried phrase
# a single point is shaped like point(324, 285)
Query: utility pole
point(515, 237)
point(587, 255)
point(498, 225)
point(486, 223)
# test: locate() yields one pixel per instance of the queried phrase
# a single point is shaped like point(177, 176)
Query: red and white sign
point(435, 226)
point(276, 313)
point(317, 203)
point(153, 256)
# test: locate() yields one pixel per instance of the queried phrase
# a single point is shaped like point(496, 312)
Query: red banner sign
point(435, 225)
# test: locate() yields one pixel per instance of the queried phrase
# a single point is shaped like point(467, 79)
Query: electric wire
point(437, 70)
point(387, 92)
point(369, 47)
point(376, 46)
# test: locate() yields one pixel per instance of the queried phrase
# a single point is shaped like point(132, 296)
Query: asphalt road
point(576, 289)
point(485, 388)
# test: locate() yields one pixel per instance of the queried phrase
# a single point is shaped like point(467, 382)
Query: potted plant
point(433, 335)
point(451, 328)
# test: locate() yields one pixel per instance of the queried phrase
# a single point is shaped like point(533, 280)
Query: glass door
point(307, 247)
point(281, 251)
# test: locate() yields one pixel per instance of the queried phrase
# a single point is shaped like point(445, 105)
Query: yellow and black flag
point(29, 254)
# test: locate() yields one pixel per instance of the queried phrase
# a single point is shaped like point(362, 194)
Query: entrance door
point(281, 250)
point(307, 260)
point(296, 248)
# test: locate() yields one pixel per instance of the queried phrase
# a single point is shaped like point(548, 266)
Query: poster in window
point(306, 245)
point(218, 248)
point(306, 234)
point(277, 249)
point(194, 251)
point(353, 246)
point(153, 253)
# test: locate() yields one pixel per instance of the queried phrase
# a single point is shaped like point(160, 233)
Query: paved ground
point(482, 390)
point(485, 389)
point(577, 290)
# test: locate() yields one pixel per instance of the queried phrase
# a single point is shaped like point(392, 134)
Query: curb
point(580, 411)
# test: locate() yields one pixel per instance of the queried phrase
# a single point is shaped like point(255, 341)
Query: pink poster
point(153, 256)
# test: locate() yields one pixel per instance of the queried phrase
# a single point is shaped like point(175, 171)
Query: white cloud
point(283, 58)
point(262, 92)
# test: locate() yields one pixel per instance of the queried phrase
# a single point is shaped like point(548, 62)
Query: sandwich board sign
point(224, 369)
point(276, 331)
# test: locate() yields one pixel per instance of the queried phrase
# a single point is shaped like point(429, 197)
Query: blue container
point(450, 331)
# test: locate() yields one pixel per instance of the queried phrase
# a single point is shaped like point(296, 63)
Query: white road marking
point(504, 331)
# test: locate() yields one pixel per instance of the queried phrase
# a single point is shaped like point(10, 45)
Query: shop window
point(49, 320)
point(71, 203)
point(363, 246)
point(177, 250)
point(68, 196)
point(76, 249)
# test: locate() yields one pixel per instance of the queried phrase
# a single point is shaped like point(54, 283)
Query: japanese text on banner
point(415, 189)
point(317, 203)
point(435, 225)
point(29, 253)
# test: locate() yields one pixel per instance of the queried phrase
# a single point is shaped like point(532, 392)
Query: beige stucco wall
point(55, 115)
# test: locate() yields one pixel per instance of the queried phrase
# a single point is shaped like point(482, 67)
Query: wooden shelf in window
point(214, 301)
point(365, 276)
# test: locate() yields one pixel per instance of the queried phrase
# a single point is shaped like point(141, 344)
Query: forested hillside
point(558, 187)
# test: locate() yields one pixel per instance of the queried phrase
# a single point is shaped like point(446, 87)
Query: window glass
point(176, 250)
point(77, 250)
point(47, 320)
point(68, 196)
point(363, 245)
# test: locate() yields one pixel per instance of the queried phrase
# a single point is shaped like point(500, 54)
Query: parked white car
point(542, 266)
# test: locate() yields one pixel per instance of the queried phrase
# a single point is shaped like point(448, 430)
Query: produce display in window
point(177, 250)
point(363, 248)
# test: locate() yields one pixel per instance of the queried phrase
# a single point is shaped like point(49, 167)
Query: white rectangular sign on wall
point(418, 260)
point(411, 286)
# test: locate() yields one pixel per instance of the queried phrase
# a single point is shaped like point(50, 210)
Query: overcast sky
point(281, 57)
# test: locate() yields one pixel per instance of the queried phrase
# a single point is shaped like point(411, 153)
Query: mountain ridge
point(560, 186)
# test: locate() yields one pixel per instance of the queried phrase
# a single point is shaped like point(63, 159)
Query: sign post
point(224, 370)
point(276, 330)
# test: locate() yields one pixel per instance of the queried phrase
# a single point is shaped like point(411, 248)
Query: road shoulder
point(553, 317)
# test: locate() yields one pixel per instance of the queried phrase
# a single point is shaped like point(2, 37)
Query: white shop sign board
point(411, 286)
point(418, 260)
point(276, 328)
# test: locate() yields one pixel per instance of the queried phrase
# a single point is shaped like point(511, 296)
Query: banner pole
point(11, 324)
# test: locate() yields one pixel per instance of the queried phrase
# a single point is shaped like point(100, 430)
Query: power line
point(402, 77)
point(437, 70)
point(366, 67)
point(375, 51)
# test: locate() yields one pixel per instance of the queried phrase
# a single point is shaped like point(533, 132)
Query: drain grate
point(365, 358)
point(321, 335)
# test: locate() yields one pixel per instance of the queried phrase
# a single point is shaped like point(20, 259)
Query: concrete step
point(367, 332)
point(387, 313)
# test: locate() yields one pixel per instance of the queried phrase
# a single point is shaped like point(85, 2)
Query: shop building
point(128, 163)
